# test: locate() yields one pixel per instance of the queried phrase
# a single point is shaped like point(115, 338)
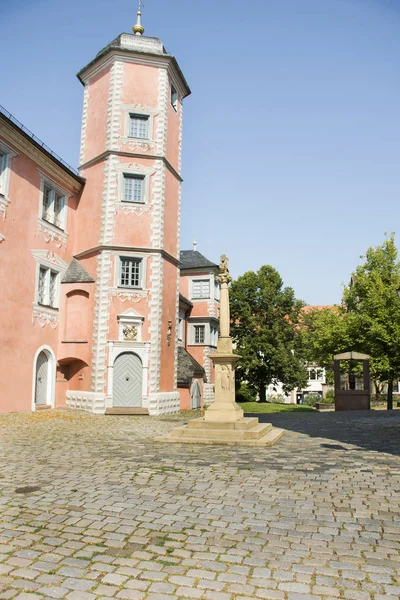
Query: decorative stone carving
point(130, 333)
point(139, 146)
point(224, 275)
point(169, 332)
point(45, 317)
point(49, 234)
point(133, 208)
point(132, 296)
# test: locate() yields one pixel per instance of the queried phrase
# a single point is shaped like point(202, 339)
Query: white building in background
point(316, 384)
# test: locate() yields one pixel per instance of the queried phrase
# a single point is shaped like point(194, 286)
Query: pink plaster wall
point(19, 334)
point(96, 124)
point(170, 274)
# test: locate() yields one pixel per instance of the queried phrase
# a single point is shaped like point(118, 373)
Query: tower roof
point(147, 50)
point(192, 259)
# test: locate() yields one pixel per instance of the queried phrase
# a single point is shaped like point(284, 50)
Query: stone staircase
point(244, 432)
point(126, 411)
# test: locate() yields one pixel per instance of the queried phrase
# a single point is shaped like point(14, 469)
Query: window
point(53, 206)
point(213, 335)
point(312, 375)
point(174, 98)
point(217, 290)
point(130, 272)
point(199, 334)
point(133, 188)
point(47, 293)
point(180, 329)
point(139, 126)
point(200, 289)
point(3, 164)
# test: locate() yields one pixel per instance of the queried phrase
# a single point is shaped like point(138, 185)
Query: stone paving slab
point(92, 508)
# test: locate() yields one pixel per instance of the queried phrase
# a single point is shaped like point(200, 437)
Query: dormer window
point(139, 126)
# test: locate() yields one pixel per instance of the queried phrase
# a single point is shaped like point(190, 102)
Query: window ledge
point(74, 341)
point(51, 233)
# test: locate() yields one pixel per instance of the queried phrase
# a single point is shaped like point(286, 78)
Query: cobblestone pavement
point(112, 514)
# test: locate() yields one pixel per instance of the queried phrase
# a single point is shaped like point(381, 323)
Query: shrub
point(245, 393)
point(311, 398)
point(276, 398)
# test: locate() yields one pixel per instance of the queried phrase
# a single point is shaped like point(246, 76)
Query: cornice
point(22, 144)
point(160, 61)
point(107, 153)
point(97, 249)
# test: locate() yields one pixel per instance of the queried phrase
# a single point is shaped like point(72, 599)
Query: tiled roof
point(188, 367)
point(76, 273)
point(192, 259)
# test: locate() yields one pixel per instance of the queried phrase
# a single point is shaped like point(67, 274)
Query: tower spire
point(138, 29)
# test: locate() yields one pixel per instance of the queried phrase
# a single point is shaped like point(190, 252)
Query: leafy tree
point(368, 320)
point(373, 311)
point(264, 326)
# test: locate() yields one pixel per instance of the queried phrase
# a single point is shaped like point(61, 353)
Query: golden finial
point(138, 29)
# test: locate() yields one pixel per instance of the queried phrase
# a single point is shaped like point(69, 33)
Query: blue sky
point(292, 133)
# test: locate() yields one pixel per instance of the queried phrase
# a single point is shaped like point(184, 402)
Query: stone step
point(43, 406)
point(126, 411)
point(272, 437)
point(256, 432)
point(242, 424)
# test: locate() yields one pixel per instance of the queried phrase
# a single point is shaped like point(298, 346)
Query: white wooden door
point(127, 381)
point(195, 395)
point(42, 379)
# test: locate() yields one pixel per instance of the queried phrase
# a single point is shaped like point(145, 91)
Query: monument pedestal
point(223, 422)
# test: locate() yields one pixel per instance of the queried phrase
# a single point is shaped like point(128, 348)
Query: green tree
point(373, 311)
point(368, 320)
point(264, 318)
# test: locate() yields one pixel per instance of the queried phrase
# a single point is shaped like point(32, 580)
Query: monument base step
point(246, 432)
point(126, 411)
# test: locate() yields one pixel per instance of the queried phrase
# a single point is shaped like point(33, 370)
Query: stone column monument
point(224, 407)
point(223, 422)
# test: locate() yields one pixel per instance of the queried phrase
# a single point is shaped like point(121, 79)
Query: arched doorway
point(44, 379)
point(195, 395)
point(127, 381)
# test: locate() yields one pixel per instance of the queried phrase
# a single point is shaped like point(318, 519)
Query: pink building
point(90, 259)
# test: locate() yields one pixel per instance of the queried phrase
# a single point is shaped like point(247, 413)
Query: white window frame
point(143, 272)
point(55, 190)
point(140, 176)
point(217, 290)
point(213, 335)
point(174, 97)
point(48, 260)
point(181, 328)
point(141, 117)
point(47, 292)
point(132, 170)
point(196, 279)
point(140, 111)
point(130, 258)
point(5, 172)
point(193, 328)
